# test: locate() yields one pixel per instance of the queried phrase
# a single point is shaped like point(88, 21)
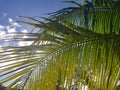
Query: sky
point(11, 9)
point(14, 8)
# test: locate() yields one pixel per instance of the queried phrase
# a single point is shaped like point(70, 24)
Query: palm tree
point(73, 49)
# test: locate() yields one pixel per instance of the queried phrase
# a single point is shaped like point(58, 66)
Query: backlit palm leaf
point(74, 48)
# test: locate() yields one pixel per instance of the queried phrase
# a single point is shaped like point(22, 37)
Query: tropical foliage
point(74, 48)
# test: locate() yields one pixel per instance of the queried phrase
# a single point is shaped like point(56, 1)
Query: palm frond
point(74, 48)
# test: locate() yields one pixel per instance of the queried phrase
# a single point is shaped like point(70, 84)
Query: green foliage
point(75, 47)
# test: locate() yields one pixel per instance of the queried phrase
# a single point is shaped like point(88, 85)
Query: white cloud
point(11, 30)
point(7, 31)
point(10, 20)
point(2, 33)
point(13, 23)
point(4, 14)
point(2, 27)
point(22, 43)
point(24, 31)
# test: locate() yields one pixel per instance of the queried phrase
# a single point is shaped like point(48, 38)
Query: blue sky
point(11, 9)
point(29, 7)
point(14, 8)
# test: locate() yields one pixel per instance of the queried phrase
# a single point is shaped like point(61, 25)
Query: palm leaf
point(75, 47)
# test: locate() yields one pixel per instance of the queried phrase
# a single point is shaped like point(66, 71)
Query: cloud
point(2, 33)
point(2, 27)
point(11, 30)
point(7, 32)
point(4, 14)
point(24, 43)
point(24, 31)
point(13, 23)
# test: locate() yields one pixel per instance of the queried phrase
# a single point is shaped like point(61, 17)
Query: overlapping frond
point(75, 48)
point(96, 15)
